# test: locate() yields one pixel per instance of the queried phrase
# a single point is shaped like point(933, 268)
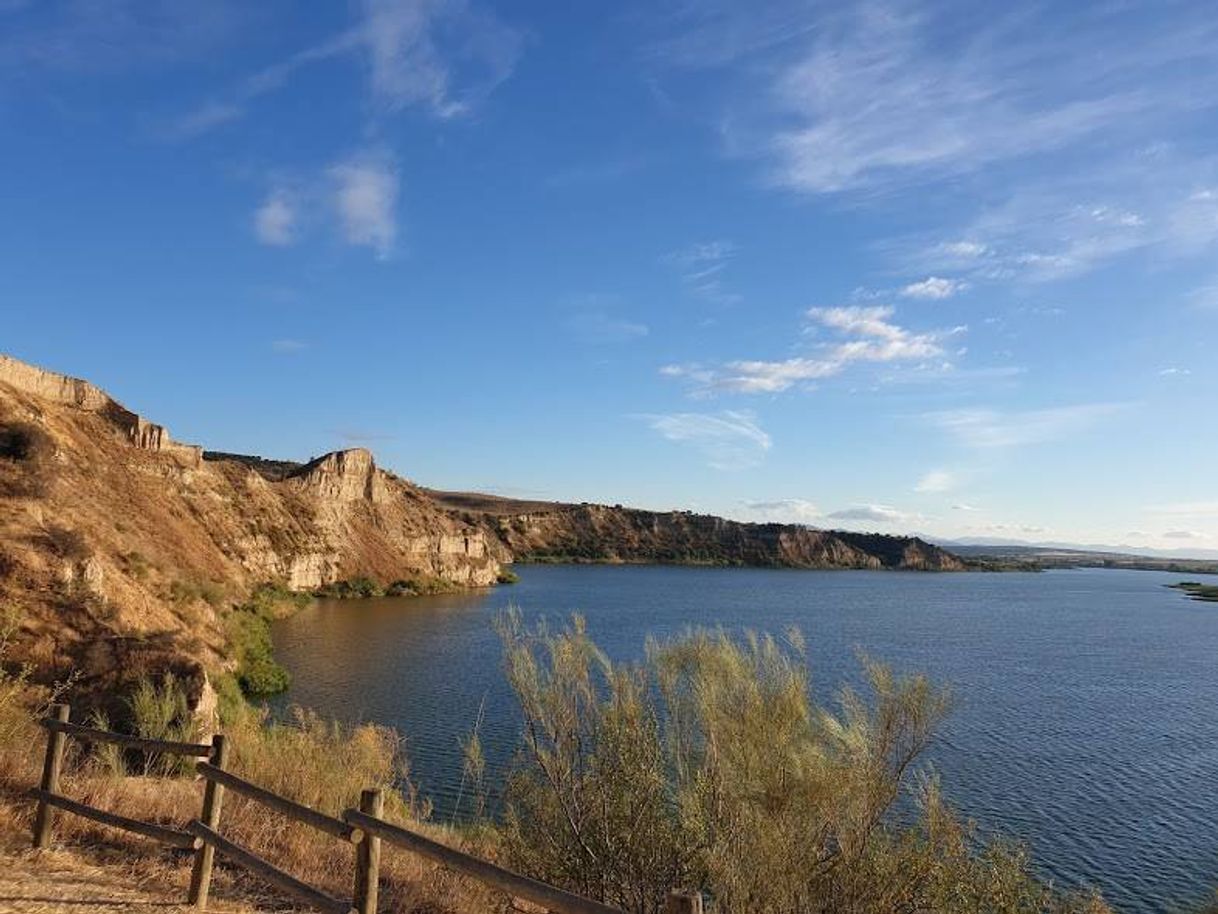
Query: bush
point(161, 711)
point(26, 460)
point(355, 589)
point(506, 576)
point(249, 638)
point(69, 544)
point(709, 765)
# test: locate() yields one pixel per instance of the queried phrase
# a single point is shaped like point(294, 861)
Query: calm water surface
point(1086, 719)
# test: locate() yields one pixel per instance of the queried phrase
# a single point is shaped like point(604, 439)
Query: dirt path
point(60, 882)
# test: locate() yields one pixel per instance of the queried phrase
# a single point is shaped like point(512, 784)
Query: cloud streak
point(728, 440)
point(867, 335)
point(991, 429)
point(444, 56)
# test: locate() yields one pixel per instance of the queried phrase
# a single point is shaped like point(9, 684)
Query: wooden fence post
point(213, 796)
point(683, 902)
point(368, 855)
point(51, 768)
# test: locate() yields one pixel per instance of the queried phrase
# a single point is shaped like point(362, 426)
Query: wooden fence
point(362, 828)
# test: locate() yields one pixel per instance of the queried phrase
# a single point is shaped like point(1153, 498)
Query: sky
point(945, 268)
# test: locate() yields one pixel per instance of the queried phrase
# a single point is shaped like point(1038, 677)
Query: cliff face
point(123, 548)
point(535, 531)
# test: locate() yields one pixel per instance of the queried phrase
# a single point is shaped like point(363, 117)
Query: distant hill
point(1047, 556)
point(538, 531)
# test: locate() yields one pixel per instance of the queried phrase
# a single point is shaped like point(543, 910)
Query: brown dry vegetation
point(309, 760)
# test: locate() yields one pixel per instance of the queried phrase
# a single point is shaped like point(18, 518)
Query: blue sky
point(939, 267)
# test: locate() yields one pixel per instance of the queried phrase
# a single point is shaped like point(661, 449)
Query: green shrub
point(709, 765)
point(353, 589)
point(249, 639)
point(160, 710)
point(507, 576)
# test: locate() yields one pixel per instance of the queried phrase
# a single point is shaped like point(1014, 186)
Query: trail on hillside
point(60, 882)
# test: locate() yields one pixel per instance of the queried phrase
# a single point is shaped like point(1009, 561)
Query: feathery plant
point(162, 712)
point(709, 765)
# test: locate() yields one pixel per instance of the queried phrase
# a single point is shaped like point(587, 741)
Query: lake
point(1086, 719)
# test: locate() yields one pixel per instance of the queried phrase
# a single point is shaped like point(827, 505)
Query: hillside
point(557, 532)
point(124, 549)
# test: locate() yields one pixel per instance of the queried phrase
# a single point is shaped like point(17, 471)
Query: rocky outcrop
point(61, 389)
point(130, 538)
point(600, 533)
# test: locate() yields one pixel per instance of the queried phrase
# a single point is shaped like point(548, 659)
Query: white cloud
point(989, 428)
point(785, 510)
point(936, 481)
point(934, 288)
point(880, 514)
point(1174, 370)
point(967, 250)
point(365, 194)
point(961, 506)
point(1183, 535)
point(729, 440)
point(870, 336)
point(443, 55)
point(275, 220)
point(866, 95)
point(415, 47)
point(289, 346)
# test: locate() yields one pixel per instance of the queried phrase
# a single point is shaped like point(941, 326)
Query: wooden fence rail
point(363, 828)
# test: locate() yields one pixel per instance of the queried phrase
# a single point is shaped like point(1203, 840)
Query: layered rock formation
point(537, 531)
point(124, 549)
point(67, 391)
point(118, 543)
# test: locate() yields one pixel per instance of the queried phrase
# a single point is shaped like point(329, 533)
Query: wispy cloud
point(700, 267)
point(289, 345)
point(996, 429)
point(867, 335)
point(785, 510)
point(937, 481)
point(365, 193)
point(444, 56)
point(600, 327)
point(101, 38)
point(728, 440)
point(934, 288)
point(275, 220)
point(415, 48)
point(879, 514)
point(881, 93)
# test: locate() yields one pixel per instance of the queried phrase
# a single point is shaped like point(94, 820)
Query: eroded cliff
point(123, 549)
point(541, 531)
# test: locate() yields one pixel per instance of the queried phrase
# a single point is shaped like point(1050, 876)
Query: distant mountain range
point(1107, 549)
point(1072, 555)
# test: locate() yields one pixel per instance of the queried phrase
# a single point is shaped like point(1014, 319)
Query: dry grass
point(309, 760)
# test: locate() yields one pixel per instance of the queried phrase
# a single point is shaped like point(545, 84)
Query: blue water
point(1086, 720)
